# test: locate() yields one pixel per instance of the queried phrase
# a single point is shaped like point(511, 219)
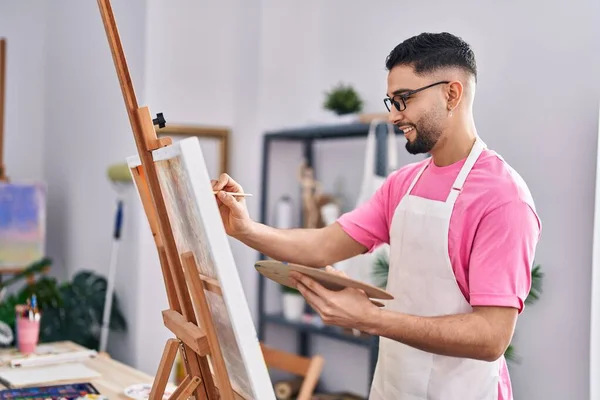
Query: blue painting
point(22, 224)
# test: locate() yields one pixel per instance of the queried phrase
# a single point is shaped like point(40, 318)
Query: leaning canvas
point(22, 224)
point(197, 227)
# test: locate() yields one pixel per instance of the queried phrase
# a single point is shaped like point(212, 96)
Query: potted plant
point(534, 295)
point(293, 303)
point(343, 101)
point(71, 310)
point(380, 274)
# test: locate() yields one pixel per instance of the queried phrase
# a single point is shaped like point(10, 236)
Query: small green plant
point(380, 275)
point(342, 99)
point(71, 310)
point(380, 270)
point(534, 295)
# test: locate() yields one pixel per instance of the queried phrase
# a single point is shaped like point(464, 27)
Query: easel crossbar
point(190, 334)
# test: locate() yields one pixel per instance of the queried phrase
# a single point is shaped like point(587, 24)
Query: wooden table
point(115, 376)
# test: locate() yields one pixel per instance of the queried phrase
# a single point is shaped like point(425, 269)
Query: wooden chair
point(308, 368)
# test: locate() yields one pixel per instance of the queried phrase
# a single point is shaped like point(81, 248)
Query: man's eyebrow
point(399, 91)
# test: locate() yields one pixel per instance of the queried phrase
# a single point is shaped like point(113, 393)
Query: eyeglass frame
point(404, 96)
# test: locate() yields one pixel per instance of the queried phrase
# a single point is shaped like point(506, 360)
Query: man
point(462, 230)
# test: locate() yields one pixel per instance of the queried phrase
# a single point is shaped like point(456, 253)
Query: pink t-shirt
point(493, 234)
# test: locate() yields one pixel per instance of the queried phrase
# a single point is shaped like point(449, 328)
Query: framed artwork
point(22, 224)
point(197, 227)
point(214, 141)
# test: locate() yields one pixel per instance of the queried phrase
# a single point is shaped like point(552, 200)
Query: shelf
point(328, 331)
point(306, 136)
point(349, 130)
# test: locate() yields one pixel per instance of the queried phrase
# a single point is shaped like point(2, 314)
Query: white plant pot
point(293, 306)
point(347, 118)
point(327, 117)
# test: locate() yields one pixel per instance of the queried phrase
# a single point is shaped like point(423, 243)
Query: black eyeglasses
point(399, 100)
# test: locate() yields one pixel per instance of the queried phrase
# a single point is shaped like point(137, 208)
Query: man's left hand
point(348, 308)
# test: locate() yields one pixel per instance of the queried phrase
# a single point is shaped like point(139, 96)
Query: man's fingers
point(309, 283)
point(312, 298)
point(356, 290)
point(225, 182)
point(230, 201)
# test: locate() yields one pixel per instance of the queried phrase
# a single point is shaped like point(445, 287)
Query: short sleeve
point(368, 223)
point(503, 255)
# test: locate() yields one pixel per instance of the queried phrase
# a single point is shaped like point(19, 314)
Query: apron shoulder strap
point(476, 151)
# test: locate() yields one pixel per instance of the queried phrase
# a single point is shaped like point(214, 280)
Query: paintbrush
point(234, 193)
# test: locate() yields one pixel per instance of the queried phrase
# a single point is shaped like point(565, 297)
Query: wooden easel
point(3, 177)
point(188, 316)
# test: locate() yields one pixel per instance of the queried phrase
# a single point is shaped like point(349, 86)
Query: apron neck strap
point(416, 178)
point(476, 150)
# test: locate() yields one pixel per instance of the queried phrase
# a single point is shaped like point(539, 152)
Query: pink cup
point(28, 334)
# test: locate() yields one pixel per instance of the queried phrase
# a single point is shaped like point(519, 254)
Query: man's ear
point(454, 94)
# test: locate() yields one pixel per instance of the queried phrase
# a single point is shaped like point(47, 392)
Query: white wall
point(86, 126)
point(253, 66)
point(86, 130)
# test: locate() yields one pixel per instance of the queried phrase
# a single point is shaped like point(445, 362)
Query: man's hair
point(429, 52)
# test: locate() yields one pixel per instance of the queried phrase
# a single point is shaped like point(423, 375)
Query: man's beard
point(426, 136)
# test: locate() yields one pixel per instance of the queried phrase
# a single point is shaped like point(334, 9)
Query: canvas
point(22, 224)
point(197, 227)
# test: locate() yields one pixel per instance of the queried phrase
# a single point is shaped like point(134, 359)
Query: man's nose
point(394, 116)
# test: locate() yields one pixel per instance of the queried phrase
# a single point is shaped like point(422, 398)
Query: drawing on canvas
point(22, 224)
point(197, 227)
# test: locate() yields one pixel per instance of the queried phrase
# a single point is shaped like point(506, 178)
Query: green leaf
point(70, 310)
point(510, 354)
point(535, 292)
point(35, 267)
point(536, 285)
point(381, 269)
point(343, 99)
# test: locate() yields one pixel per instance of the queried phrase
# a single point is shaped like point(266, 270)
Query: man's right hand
point(314, 247)
point(234, 213)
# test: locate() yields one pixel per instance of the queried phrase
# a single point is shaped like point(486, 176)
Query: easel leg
point(201, 306)
point(164, 370)
point(199, 366)
point(185, 389)
point(194, 365)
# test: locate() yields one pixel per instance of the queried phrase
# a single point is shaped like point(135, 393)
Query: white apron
point(422, 282)
point(360, 267)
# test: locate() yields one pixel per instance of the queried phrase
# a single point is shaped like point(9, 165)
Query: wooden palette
point(278, 271)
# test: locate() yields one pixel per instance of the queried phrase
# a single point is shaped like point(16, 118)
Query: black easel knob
point(159, 120)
